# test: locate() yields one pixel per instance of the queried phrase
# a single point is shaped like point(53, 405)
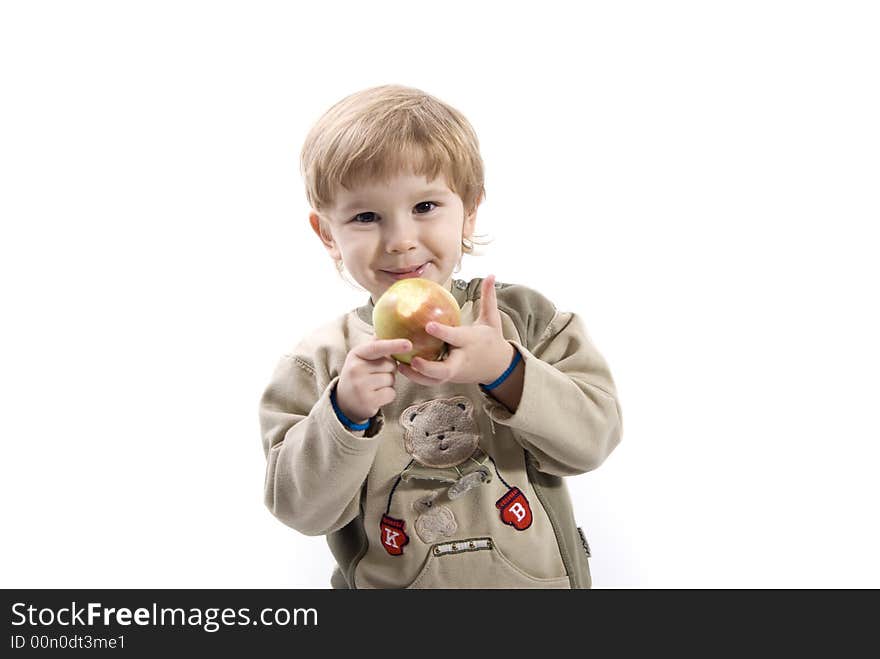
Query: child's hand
point(478, 353)
point(366, 382)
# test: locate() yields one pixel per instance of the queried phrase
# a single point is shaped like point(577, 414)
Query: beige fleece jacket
point(393, 521)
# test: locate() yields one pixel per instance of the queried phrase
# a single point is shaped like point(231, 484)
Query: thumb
point(489, 303)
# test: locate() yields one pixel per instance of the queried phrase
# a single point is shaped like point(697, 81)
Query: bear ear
point(463, 403)
point(409, 416)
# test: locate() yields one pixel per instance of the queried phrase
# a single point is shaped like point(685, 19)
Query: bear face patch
point(440, 433)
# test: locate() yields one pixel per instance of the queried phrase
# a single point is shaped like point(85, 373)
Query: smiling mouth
point(414, 272)
point(443, 447)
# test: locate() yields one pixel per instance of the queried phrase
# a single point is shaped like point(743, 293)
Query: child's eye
point(367, 217)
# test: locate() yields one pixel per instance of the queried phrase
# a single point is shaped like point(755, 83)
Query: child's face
point(408, 223)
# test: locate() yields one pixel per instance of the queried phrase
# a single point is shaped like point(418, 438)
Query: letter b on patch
point(515, 509)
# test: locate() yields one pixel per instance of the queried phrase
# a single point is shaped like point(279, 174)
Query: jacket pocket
point(477, 563)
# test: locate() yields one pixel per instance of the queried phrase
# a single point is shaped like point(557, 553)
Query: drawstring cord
point(394, 487)
point(498, 474)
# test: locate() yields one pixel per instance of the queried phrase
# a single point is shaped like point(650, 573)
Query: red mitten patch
point(394, 538)
point(515, 509)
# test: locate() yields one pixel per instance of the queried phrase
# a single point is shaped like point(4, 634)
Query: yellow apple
point(403, 310)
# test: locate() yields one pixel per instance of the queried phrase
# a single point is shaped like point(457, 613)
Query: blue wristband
point(503, 376)
point(348, 423)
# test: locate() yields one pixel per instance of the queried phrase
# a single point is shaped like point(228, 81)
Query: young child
point(443, 474)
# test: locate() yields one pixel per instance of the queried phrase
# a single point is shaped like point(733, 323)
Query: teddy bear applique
point(443, 438)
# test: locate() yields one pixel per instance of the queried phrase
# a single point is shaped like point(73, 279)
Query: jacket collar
point(461, 290)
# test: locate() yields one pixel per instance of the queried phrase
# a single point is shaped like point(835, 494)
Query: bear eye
point(453, 428)
point(427, 433)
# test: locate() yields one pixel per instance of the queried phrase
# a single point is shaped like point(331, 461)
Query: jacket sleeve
point(315, 466)
point(568, 417)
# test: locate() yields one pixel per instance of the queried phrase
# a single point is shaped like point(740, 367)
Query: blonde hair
point(379, 132)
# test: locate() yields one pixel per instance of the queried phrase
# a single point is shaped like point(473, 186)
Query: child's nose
point(401, 237)
point(401, 244)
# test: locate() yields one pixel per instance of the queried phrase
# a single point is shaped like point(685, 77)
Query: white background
point(698, 180)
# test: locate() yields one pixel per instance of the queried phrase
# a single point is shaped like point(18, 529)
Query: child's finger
point(382, 348)
point(417, 377)
point(454, 336)
point(434, 370)
point(442, 370)
point(489, 302)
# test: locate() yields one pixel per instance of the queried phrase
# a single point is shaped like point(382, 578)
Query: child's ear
point(470, 219)
point(323, 232)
